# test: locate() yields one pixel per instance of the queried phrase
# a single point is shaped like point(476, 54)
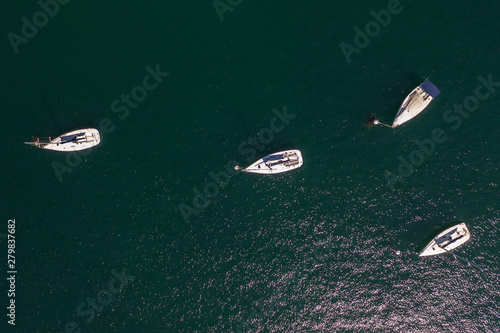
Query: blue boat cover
point(430, 88)
point(71, 138)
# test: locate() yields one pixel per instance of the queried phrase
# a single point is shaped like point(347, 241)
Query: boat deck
point(72, 141)
point(277, 163)
point(447, 240)
point(416, 102)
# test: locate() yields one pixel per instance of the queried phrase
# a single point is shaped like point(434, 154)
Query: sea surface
point(123, 238)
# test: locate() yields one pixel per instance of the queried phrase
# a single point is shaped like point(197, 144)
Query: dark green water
point(313, 250)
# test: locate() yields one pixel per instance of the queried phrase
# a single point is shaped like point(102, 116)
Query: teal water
point(314, 250)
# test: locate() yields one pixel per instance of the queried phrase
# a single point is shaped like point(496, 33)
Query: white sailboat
point(71, 141)
point(447, 240)
point(279, 162)
point(414, 103)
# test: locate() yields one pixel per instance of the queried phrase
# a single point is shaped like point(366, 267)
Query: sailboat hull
point(447, 241)
point(416, 102)
point(279, 162)
point(72, 141)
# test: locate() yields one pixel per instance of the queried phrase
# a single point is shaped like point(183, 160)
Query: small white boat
point(71, 141)
point(282, 161)
point(414, 103)
point(447, 240)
